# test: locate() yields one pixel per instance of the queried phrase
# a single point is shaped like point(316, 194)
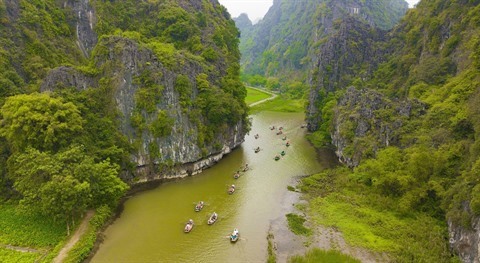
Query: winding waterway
point(150, 229)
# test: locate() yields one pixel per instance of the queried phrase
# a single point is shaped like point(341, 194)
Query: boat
point(199, 206)
point(277, 157)
point(303, 125)
point(280, 128)
point(257, 149)
point(245, 168)
point(188, 226)
point(235, 235)
point(236, 175)
point(282, 153)
point(231, 189)
point(272, 128)
point(284, 138)
point(213, 218)
point(287, 144)
point(279, 132)
point(256, 136)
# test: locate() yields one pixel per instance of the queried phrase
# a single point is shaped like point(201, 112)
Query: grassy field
point(370, 220)
point(11, 256)
point(254, 95)
point(24, 229)
point(279, 104)
point(21, 228)
point(318, 255)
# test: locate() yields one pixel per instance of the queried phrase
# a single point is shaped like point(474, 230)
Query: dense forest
point(92, 92)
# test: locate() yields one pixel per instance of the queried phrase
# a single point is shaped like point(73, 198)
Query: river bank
point(154, 219)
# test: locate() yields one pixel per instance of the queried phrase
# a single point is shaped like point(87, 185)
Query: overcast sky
point(256, 9)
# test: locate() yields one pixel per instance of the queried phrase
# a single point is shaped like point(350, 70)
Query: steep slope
point(161, 76)
point(410, 124)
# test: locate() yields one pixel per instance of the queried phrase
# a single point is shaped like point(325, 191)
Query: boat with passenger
point(188, 226)
point(213, 218)
point(231, 189)
point(199, 206)
point(235, 235)
point(236, 175)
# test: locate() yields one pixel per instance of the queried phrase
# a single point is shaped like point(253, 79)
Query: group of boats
point(198, 207)
point(214, 216)
point(243, 169)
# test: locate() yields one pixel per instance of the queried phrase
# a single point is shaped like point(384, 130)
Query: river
point(150, 229)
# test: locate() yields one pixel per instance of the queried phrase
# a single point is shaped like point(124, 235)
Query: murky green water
point(150, 228)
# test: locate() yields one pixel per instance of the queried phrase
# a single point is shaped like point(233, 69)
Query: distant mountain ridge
point(284, 41)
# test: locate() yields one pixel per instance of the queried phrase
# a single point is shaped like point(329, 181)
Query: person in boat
point(256, 136)
point(288, 143)
point(280, 128)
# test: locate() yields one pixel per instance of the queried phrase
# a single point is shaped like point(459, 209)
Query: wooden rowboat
point(188, 226)
point(213, 218)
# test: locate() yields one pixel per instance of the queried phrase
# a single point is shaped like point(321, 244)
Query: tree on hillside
point(39, 121)
point(64, 184)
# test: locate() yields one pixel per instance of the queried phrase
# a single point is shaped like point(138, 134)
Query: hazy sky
point(256, 9)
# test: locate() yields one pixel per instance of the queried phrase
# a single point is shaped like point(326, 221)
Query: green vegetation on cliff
point(64, 150)
point(418, 151)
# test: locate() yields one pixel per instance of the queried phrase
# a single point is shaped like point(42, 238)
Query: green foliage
point(81, 250)
point(318, 255)
point(161, 126)
point(184, 88)
point(64, 184)
point(25, 228)
point(149, 94)
point(40, 121)
point(295, 224)
point(13, 256)
point(373, 220)
point(271, 253)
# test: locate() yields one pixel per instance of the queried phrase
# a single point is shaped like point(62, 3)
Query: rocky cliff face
point(465, 241)
point(132, 61)
point(365, 121)
point(169, 133)
point(85, 23)
point(350, 53)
